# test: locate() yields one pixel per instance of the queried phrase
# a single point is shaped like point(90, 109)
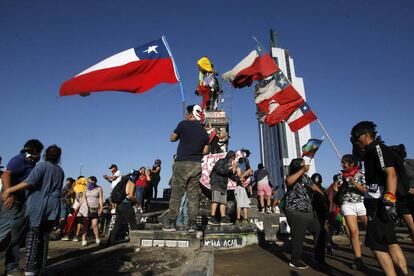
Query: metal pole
point(176, 72)
point(329, 138)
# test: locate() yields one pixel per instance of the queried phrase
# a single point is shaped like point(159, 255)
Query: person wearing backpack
point(382, 173)
point(123, 194)
point(405, 206)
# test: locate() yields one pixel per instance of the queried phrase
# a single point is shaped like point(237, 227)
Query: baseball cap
point(245, 151)
point(113, 166)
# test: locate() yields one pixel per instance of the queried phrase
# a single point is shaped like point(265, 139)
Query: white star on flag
point(282, 81)
point(151, 49)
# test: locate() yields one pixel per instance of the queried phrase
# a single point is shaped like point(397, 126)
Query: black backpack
point(118, 193)
point(409, 168)
point(402, 182)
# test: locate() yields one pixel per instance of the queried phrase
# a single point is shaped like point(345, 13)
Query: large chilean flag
point(135, 70)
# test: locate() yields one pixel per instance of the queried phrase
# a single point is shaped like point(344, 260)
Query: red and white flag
point(135, 70)
point(253, 67)
point(302, 117)
point(277, 98)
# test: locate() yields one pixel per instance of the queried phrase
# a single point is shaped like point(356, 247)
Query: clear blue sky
point(356, 58)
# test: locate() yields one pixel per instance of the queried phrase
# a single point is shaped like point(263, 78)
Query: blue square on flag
point(153, 50)
point(281, 80)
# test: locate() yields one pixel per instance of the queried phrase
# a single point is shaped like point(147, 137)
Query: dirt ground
point(266, 259)
point(273, 259)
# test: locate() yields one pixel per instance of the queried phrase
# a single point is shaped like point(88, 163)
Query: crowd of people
point(35, 200)
point(371, 200)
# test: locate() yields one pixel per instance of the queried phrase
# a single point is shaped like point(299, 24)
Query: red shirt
point(142, 181)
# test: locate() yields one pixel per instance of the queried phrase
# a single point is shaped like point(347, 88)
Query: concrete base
point(226, 237)
point(159, 238)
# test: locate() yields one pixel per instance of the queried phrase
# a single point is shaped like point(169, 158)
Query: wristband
point(390, 197)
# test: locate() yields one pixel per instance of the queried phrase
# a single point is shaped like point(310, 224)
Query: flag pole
point(261, 48)
point(176, 73)
point(329, 138)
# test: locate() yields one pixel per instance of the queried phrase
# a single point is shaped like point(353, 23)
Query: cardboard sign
point(207, 165)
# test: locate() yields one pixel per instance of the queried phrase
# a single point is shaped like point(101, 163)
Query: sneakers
point(358, 264)
point(98, 241)
point(14, 272)
point(225, 221)
point(84, 243)
point(65, 238)
point(268, 210)
point(276, 210)
point(299, 264)
point(170, 227)
point(262, 211)
point(113, 211)
point(213, 221)
point(75, 239)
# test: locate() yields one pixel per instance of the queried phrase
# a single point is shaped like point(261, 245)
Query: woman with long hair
point(299, 212)
point(353, 205)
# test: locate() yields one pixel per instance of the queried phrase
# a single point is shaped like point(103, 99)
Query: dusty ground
point(267, 259)
point(272, 259)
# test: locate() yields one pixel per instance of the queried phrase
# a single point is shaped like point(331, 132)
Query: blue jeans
point(182, 218)
point(12, 221)
point(139, 195)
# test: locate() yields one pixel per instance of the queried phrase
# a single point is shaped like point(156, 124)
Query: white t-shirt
point(116, 181)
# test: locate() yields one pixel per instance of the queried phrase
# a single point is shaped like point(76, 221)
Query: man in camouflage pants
point(193, 143)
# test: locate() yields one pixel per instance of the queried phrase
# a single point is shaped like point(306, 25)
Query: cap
point(113, 166)
point(363, 128)
point(246, 151)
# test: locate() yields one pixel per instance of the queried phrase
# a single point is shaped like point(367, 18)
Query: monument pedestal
point(232, 236)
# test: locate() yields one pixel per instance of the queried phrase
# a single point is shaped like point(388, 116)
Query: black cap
point(113, 166)
point(246, 151)
point(361, 128)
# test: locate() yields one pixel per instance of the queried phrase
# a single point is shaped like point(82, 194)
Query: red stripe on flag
point(136, 77)
point(282, 112)
point(263, 66)
point(287, 95)
point(302, 121)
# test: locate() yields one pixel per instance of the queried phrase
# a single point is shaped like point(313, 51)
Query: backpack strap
point(380, 156)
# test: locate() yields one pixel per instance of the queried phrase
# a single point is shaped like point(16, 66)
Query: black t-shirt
point(193, 137)
point(377, 158)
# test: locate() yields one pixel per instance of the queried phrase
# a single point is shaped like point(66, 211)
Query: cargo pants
point(186, 176)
